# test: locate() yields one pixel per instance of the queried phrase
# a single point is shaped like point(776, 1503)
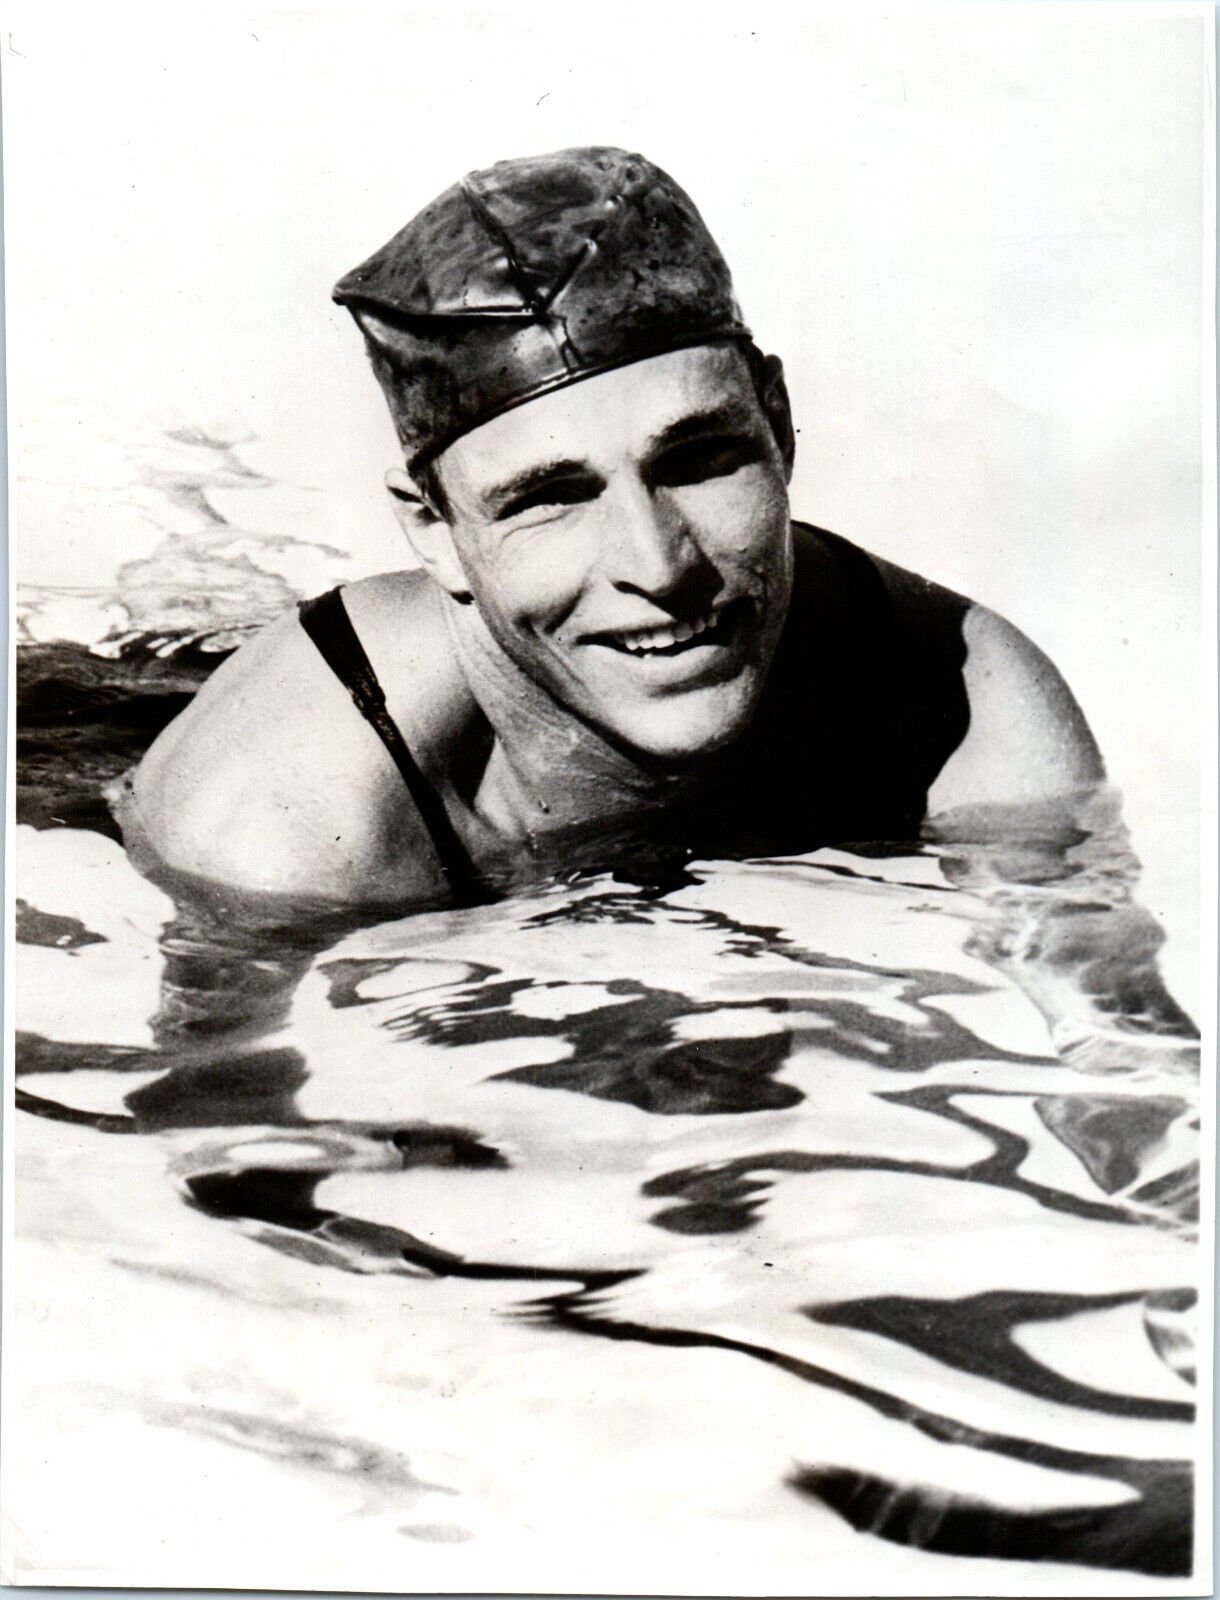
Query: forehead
point(614, 415)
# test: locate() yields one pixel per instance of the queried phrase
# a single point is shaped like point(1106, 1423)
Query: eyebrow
point(729, 417)
point(502, 494)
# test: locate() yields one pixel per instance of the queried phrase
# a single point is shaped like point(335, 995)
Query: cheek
point(533, 584)
point(743, 520)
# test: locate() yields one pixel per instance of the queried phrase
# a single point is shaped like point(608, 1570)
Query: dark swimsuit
point(864, 703)
point(885, 702)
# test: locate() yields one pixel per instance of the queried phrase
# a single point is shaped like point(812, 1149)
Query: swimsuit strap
point(328, 625)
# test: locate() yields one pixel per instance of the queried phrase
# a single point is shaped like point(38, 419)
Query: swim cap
point(531, 275)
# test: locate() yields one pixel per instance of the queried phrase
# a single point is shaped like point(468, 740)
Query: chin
point(685, 729)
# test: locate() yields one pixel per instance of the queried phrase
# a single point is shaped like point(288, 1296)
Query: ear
point(428, 534)
point(773, 397)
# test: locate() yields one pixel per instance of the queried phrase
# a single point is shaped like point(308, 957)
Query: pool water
point(812, 1225)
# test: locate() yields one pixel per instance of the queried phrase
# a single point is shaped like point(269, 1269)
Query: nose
point(651, 549)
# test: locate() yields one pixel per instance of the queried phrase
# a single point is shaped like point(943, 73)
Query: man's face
point(626, 540)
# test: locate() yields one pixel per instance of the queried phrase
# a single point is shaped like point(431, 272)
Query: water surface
point(821, 1224)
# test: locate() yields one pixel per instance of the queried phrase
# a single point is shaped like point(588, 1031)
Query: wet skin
point(626, 543)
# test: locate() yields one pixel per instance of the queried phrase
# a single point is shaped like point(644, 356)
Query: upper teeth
point(675, 633)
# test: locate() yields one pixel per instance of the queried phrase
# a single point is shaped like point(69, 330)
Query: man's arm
point(1027, 740)
point(271, 782)
point(1012, 804)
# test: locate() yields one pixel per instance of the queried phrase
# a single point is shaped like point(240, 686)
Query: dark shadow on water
point(1153, 1533)
point(83, 719)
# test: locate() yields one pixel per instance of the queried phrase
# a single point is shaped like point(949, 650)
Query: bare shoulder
point(270, 780)
point(1028, 739)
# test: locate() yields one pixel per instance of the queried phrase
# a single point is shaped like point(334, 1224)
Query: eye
point(554, 492)
point(717, 456)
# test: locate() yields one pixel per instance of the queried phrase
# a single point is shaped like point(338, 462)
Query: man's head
point(597, 454)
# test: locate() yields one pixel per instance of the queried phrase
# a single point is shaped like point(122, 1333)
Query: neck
point(550, 772)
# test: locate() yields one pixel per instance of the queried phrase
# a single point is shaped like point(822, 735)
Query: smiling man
point(614, 640)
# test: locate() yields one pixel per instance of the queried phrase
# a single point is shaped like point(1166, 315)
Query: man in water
point(615, 640)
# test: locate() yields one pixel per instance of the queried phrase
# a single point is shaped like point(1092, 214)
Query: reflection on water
point(763, 1206)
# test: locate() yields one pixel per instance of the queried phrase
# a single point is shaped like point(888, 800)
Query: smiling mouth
point(674, 638)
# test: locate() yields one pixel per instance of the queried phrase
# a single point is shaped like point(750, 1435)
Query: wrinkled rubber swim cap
point(531, 275)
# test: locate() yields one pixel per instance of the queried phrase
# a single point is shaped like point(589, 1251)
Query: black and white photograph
point(611, 835)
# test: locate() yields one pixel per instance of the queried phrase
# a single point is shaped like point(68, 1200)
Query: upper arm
point(1027, 739)
point(269, 781)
